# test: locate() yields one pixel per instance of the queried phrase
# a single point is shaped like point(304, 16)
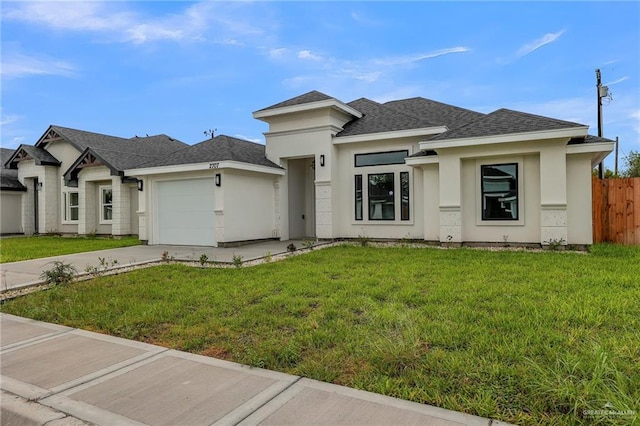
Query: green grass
point(25, 248)
point(529, 338)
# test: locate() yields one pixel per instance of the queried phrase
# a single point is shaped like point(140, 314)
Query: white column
point(450, 200)
point(121, 223)
point(553, 194)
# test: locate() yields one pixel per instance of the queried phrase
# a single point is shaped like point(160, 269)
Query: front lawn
point(529, 338)
point(24, 248)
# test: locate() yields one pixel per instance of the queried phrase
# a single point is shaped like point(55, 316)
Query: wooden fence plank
point(616, 210)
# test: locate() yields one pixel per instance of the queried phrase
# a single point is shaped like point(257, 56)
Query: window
point(381, 197)
point(358, 185)
point(71, 206)
point(106, 204)
point(404, 195)
point(381, 158)
point(499, 191)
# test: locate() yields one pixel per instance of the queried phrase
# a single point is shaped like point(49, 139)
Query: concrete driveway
point(15, 275)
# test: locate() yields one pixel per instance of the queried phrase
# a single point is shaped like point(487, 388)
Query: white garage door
point(185, 212)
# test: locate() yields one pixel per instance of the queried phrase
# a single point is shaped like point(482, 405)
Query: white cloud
point(8, 119)
point(620, 80)
point(401, 60)
point(15, 65)
point(115, 22)
point(246, 138)
point(307, 54)
point(538, 43)
point(278, 52)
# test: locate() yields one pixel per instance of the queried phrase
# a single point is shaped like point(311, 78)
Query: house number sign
point(214, 165)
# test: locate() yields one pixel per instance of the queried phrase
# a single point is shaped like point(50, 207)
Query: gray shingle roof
point(439, 113)
point(313, 96)
point(115, 152)
point(9, 177)
point(378, 118)
point(42, 157)
point(504, 122)
point(220, 148)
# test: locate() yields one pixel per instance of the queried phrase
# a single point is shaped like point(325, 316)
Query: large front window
point(106, 204)
point(381, 197)
point(499, 191)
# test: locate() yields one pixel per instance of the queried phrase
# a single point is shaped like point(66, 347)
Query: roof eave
point(209, 165)
point(505, 138)
point(598, 150)
point(327, 103)
point(395, 134)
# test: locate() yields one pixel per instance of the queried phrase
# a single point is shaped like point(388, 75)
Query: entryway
point(302, 195)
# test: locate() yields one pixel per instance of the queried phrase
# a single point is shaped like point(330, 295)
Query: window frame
point(369, 198)
point(364, 154)
point(101, 189)
point(67, 208)
point(520, 193)
point(358, 209)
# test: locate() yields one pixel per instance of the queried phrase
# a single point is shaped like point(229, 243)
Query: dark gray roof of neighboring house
point(313, 96)
point(117, 153)
point(120, 153)
point(378, 118)
point(504, 122)
point(439, 113)
point(220, 148)
point(9, 177)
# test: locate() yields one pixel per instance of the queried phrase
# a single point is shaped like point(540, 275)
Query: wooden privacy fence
point(616, 210)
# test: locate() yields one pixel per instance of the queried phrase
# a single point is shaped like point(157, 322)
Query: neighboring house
point(11, 191)
point(75, 181)
point(412, 168)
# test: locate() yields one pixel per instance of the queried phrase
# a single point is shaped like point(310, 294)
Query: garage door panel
point(186, 212)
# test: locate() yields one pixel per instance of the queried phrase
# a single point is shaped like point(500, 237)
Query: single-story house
point(411, 168)
point(75, 182)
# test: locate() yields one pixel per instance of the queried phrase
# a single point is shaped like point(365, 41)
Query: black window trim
point(355, 158)
point(393, 175)
point(355, 206)
point(517, 190)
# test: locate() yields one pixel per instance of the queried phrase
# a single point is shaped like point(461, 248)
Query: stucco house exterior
point(11, 191)
point(412, 168)
point(75, 183)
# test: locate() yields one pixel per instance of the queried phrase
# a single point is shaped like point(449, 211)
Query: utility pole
point(598, 86)
point(617, 143)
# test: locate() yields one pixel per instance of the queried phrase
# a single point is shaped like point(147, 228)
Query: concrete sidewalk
point(16, 275)
point(57, 375)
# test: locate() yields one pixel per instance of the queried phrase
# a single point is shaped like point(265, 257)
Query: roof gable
point(29, 152)
point(9, 177)
point(503, 122)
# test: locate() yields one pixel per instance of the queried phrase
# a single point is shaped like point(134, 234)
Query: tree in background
point(632, 163)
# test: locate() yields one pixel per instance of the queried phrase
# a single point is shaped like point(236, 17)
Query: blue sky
point(180, 68)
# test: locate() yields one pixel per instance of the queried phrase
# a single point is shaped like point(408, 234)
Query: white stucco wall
point(11, 212)
point(249, 205)
point(347, 226)
point(579, 200)
point(527, 228)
